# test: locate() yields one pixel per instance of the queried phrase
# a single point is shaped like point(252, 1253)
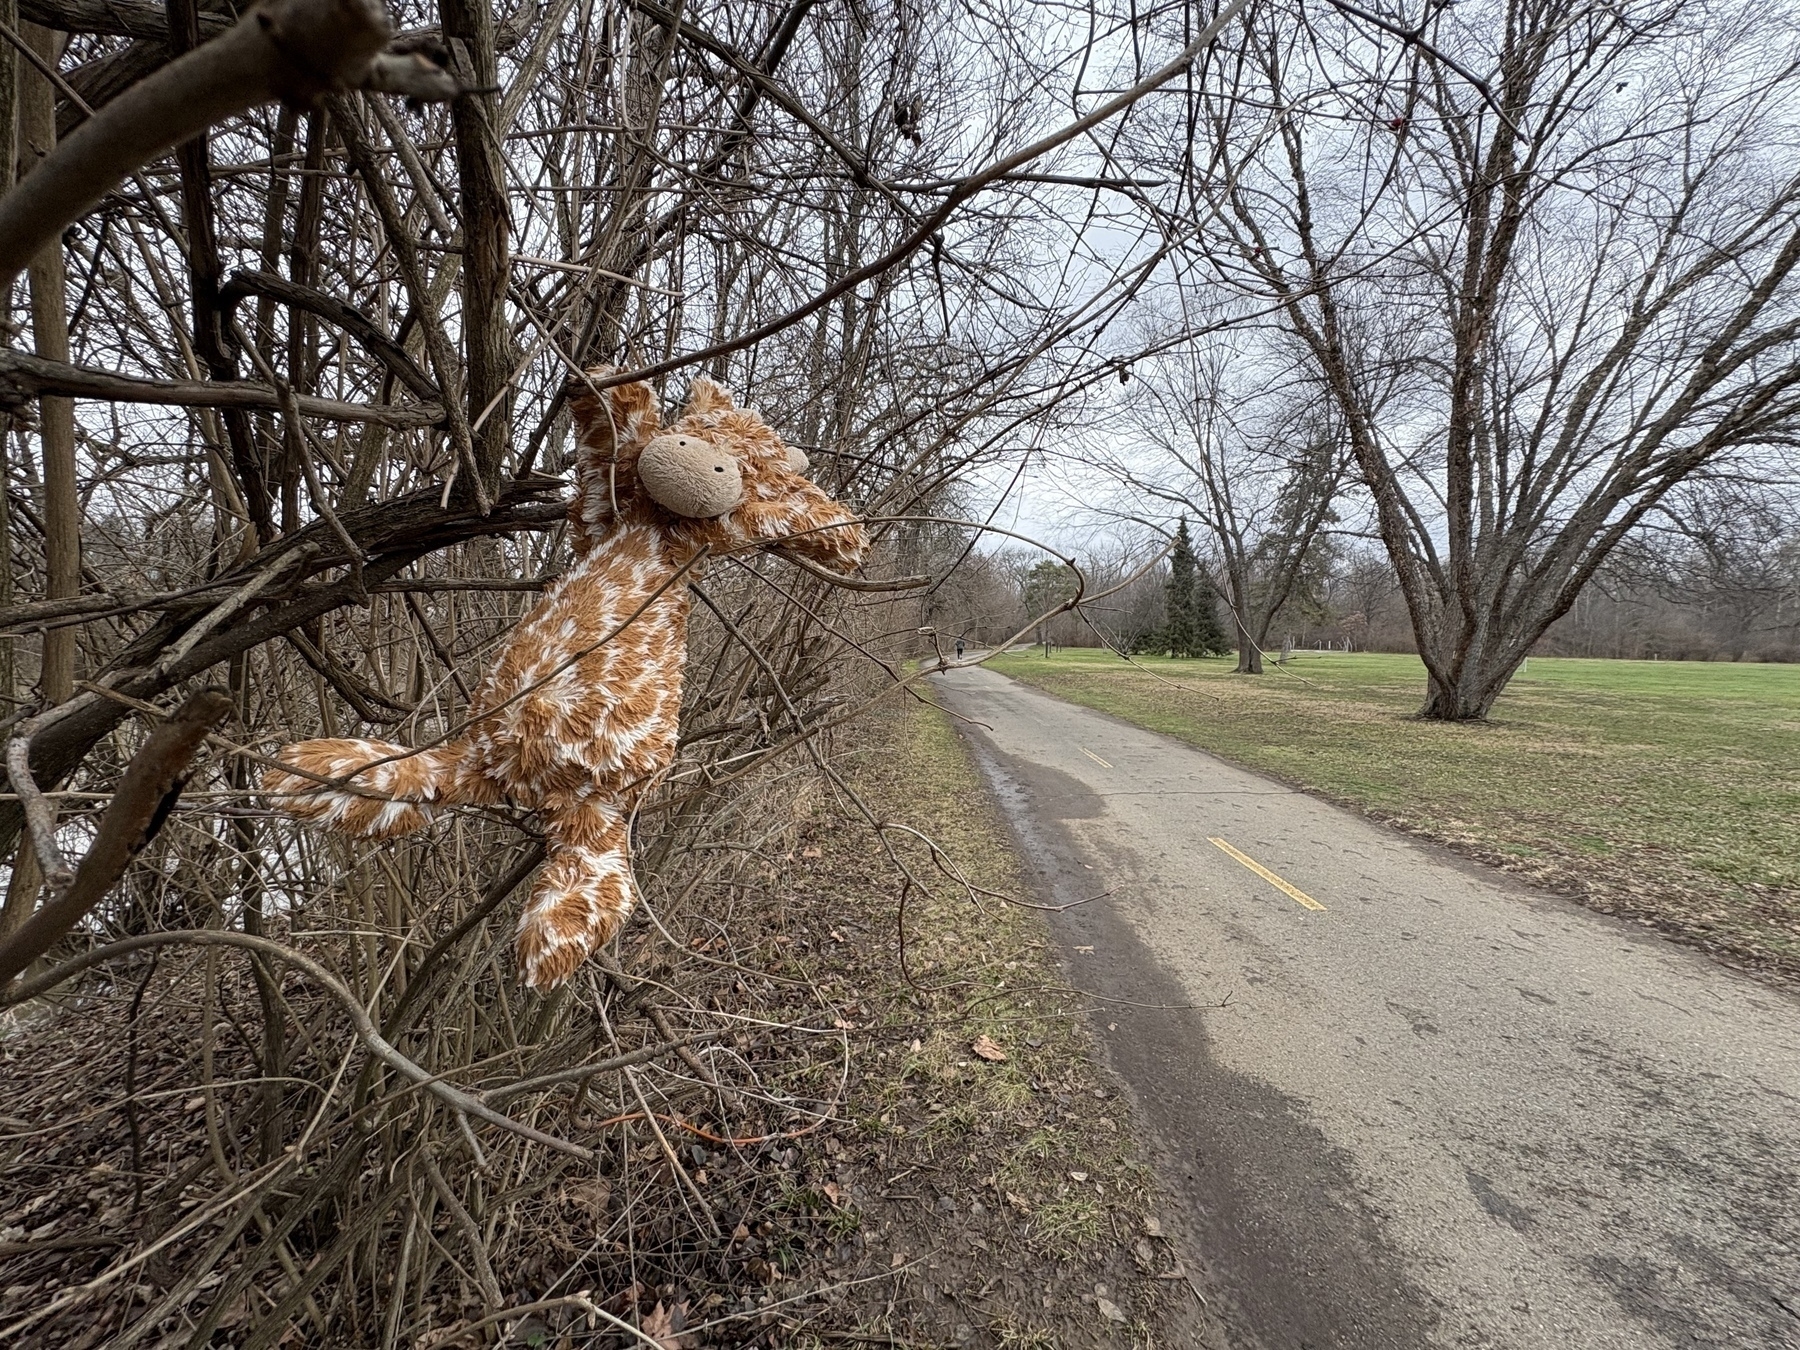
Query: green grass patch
point(1665, 790)
point(1068, 1224)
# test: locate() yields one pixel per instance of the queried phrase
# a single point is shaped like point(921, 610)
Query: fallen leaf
point(1153, 1226)
point(592, 1197)
point(898, 1261)
point(1109, 1310)
point(989, 1049)
point(664, 1326)
point(1018, 1202)
point(627, 1298)
point(1078, 1176)
point(809, 853)
point(832, 1193)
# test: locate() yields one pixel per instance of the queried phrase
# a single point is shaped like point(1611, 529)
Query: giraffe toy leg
point(406, 789)
point(583, 895)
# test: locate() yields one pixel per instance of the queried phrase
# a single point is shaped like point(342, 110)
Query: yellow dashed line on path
point(1091, 755)
point(1292, 892)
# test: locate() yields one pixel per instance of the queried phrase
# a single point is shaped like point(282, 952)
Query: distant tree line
point(1725, 586)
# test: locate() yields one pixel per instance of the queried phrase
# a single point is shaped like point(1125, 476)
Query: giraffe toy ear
point(690, 477)
point(623, 415)
point(706, 397)
point(611, 428)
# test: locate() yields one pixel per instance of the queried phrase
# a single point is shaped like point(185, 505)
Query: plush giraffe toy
point(578, 717)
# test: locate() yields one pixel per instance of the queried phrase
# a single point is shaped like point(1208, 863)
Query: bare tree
point(1256, 463)
point(1538, 301)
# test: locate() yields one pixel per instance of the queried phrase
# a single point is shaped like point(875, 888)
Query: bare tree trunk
point(1464, 690)
point(56, 424)
point(1237, 602)
point(20, 895)
point(9, 138)
point(50, 334)
point(469, 26)
point(622, 235)
point(1250, 655)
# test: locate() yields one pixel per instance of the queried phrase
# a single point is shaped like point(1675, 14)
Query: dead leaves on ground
point(664, 1325)
point(989, 1049)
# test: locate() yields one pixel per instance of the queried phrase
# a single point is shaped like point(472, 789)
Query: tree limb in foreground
point(391, 534)
point(24, 377)
point(116, 18)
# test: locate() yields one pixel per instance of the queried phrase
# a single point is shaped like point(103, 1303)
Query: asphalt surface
point(1442, 1110)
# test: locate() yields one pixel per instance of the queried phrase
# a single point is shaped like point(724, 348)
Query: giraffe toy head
point(718, 475)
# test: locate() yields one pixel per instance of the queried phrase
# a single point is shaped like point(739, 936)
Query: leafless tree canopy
point(1533, 260)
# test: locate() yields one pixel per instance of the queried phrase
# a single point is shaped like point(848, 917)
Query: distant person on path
point(959, 649)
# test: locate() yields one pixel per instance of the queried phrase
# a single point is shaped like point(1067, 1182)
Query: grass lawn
point(1668, 791)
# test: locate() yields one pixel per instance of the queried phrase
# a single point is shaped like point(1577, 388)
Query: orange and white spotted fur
point(580, 713)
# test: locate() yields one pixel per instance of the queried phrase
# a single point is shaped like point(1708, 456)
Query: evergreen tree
point(1178, 629)
point(1192, 627)
point(1043, 588)
point(1209, 636)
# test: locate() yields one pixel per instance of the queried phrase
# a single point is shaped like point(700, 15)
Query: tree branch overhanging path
point(292, 50)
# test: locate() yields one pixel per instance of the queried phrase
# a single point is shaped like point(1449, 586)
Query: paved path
point(1443, 1110)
